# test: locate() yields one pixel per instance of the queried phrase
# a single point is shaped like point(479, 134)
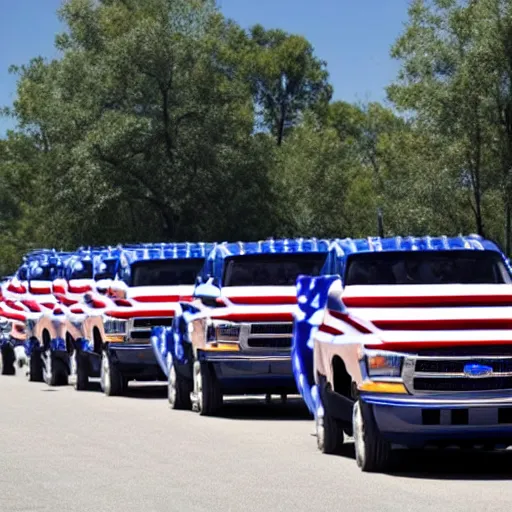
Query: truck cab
point(235, 338)
point(153, 278)
point(408, 344)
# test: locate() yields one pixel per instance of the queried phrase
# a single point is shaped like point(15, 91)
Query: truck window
point(271, 269)
point(165, 272)
point(426, 267)
point(85, 273)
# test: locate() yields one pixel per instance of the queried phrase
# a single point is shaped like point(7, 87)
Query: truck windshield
point(84, 273)
point(109, 271)
point(427, 267)
point(271, 269)
point(165, 272)
point(48, 273)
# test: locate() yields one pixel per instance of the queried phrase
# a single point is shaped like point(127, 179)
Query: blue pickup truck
point(407, 343)
point(235, 337)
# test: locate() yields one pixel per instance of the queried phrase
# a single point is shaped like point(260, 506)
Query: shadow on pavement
point(257, 409)
point(446, 464)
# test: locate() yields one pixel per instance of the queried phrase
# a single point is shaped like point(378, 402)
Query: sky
point(353, 36)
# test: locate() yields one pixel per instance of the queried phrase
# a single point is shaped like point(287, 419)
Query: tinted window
point(109, 272)
point(271, 269)
point(165, 272)
point(428, 267)
point(48, 273)
point(85, 273)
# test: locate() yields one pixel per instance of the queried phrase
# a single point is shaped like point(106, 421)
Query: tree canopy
point(163, 120)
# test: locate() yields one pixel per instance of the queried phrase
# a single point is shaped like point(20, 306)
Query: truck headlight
point(114, 326)
point(383, 364)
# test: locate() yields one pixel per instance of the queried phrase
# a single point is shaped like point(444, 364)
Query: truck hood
point(159, 294)
point(259, 295)
point(410, 317)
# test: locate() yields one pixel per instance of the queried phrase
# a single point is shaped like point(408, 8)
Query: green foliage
point(162, 120)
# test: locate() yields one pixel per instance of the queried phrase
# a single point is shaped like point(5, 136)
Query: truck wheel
point(373, 453)
point(112, 381)
point(55, 372)
point(35, 373)
point(8, 360)
point(207, 390)
point(329, 434)
point(179, 388)
point(82, 374)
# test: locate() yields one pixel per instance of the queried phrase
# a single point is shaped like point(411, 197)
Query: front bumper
point(135, 361)
point(243, 372)
point(448, 419)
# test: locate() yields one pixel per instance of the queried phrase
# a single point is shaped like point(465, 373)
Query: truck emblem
point(477, 371)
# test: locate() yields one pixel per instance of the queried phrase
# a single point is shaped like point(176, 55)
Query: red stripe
point(65, 300)
point(40, 291)
point(257, 317)
point(49, 305)
point(330, 330)
point(77, 310)
point(14, 305)
point(444, 325)
point(139, 314)
point(409, 346)
point(32, 305)
point(163, 298)
point(268, 300)
point(157, 298)
point(16, 289)
point(13, 316)
point(59, 288)
point(345, 317)
point(453, 301)
point(79, 289)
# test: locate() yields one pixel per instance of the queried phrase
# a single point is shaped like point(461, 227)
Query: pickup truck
point(153, 278)
point(408, 343)
point(235, 337)
point(25, 299)
point(63, 330)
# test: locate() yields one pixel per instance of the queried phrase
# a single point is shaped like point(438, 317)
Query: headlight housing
point(223, 331)
point(382, 364)
point(114, 326)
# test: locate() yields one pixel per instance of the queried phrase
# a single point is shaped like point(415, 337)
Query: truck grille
point(438, 373)
point(139, 323)
point(277, 328)
point(457, 366)
point(277, 343)
point(455, 385)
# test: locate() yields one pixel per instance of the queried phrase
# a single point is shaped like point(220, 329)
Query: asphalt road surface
point(67, 451)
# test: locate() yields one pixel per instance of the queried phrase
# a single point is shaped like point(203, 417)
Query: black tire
point(373, 452)
point(329, 434)
point(112, 381)
point(178, 389)
point(82, 372)
point(55, 371)
point(8, 360)
point(35, 367)
point(207, 390)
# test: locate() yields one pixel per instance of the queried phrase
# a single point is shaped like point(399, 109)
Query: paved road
point(69, 451)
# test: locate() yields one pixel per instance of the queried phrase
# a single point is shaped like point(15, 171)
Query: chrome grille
point(140, 323)
point(266, 336)
point(275, 328)
point(444, 374)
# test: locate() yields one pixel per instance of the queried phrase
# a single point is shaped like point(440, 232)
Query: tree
point(286, 77)
point(450, 56)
